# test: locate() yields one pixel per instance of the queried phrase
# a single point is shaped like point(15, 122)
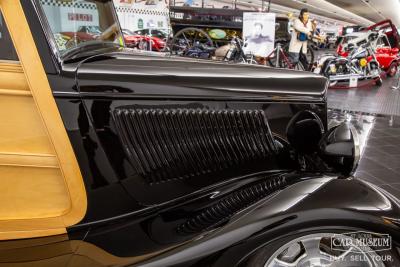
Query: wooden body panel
point(41, 188)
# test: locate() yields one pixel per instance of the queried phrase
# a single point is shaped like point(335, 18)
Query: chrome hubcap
point(315, 250)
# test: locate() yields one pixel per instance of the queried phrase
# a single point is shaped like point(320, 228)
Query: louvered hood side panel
point(168, 144)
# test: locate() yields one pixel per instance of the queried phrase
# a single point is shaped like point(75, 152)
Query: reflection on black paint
point(90, 147)
point(100, 112)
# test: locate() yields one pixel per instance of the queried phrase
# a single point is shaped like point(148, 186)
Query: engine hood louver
point(165, 144)
point(228, 206)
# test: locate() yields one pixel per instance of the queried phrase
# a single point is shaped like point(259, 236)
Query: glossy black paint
point(317, 208)
point(180, 222)
point(309, 204)
point(123, 208)
point(101, 89)
point(133, 74)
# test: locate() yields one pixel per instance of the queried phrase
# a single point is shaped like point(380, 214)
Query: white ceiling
point(359, 12)
point(327, 9)
point(374, 10)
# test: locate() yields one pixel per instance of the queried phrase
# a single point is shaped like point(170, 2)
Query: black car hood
point(146, 74)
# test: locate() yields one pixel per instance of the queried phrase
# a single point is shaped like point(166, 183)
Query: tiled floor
point(370, 99)
point(375, 113)
point(380, 163)
point(380, 145)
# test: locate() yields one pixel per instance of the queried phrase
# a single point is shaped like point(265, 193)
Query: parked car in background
point(151, 39)
point(131, 39)
point(147, 39)
point(161, 34)
point(84, 33)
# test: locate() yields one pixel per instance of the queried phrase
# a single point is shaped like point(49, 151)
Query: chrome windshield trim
point(47, 32)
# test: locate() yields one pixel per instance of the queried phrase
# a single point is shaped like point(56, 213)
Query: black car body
point(191, 163)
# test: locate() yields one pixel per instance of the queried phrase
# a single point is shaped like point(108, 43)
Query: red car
point(84, 33)
point(386, 44)
point(146, 39)
point(131, 39)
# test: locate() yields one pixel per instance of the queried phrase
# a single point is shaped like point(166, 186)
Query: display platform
point(369, 99)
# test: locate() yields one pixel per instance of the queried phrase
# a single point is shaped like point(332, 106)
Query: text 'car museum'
point(199, 133)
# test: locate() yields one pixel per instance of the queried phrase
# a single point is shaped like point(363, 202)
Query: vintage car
point(115, 157)
point(383, 37)
point(82, 34)
point(147, 39)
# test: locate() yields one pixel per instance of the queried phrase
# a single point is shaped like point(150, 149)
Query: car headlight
point(340, 148)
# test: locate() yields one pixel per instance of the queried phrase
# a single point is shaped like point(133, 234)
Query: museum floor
point(375, 113)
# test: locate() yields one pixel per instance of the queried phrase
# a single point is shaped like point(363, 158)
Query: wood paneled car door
point(41, 188)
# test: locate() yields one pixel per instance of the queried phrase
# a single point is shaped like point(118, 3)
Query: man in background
point(302, 31)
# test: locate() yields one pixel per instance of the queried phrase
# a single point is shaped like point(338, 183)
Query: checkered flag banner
point(142, 11)
point(68, 4)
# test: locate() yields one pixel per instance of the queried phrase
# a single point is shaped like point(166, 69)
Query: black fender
point(310, 204)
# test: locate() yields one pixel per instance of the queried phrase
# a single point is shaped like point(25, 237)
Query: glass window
point(81, 23)
point(382, 42)
point(7, 51)
point(159, 34)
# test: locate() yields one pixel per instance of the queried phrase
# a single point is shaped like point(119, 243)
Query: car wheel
point(314, 249)
point(379, 81)
point(392, 69)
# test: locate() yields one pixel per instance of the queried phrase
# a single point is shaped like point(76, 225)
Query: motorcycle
point(192, 42)
point(199, 50)
point(233, 52)
point(361, 64)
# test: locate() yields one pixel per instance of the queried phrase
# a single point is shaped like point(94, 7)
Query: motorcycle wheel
point(375, 69)
point(392, 69)
point(306, 60)
point(187, 38)
point(379, 81)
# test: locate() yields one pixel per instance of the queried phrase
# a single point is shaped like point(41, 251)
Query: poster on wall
point(135, 15)
point(258, 33)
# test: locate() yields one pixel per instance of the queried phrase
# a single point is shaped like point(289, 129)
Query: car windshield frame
point(90, 45)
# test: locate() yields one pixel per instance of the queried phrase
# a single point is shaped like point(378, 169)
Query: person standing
point(302, 31)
